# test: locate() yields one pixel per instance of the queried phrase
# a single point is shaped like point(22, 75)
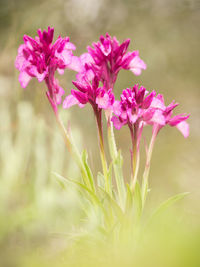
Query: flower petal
point(158, 117)
point(103, 101)
point(70, 101)
point(136, 65)
point(117, 123)
point(24, 78)
point(75, 64)
point(183, 127)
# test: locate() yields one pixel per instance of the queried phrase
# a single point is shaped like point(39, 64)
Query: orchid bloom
point(134, 110)
point(110, 57)
point(90, 92)
point(40, 58)
point(133, 107)
point(163, 115)
point(107, 58)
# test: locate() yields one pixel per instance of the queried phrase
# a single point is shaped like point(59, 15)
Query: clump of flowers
point(109, 57)
point(38, 57)
point(96, 74)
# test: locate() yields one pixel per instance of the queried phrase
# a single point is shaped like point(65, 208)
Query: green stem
point(67, 138)
point(147, 165)
point(117, 162)
point(135, 155)
point(73, 151)
point(64, 133)
point(111, 139)
point(102, 151)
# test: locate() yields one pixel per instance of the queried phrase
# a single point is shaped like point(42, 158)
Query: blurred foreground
point(42, 223)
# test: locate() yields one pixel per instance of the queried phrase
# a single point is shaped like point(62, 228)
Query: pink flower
point(105, 99)
point(163, 115)
point(108, 57)
point(40, 58)
point(90, 92)
point(37, 57)
point(85, 71)
point(133, 107)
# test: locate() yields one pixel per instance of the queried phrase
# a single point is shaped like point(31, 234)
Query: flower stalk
point(147, 164)
point(71, 147)
point(98, 116)
point(117, 162)
point(135, 154)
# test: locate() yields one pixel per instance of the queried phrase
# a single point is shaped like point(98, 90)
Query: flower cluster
point(96, 74)
point(90, 92)
point(134, 107)
point(40, 58)
point(109, 57)
point(139, 107)
point(102, 63)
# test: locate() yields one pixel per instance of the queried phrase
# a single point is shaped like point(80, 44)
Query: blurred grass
point(37, 217)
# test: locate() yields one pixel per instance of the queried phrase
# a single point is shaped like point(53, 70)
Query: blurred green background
point(34, 210)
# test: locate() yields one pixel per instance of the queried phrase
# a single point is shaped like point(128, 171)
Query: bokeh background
point(32, 204)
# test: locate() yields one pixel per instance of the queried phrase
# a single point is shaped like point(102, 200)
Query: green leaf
point(117, 165)
point(88, 170)
point(116, 208)
point(93, 198)
point(129, 199)
point(80, 185)
point(110, 176)
point(61, 180)
point(167, 203)
point(144, 191)
point(137, 199)
point(100, 180)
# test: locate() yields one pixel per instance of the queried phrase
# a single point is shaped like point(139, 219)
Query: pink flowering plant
point(115, 203)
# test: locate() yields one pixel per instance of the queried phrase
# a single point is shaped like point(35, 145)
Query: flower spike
point(40, 58)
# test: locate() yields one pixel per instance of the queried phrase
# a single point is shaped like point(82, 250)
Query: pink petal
point(136, 65)
point(158, 118)
point(117, 108)
point(177, 119)
point(148, 100)
point(24, 78)
point(81, 97)
point(70, 101)
point(59, 95)
point(86, 58)
point(20, 59)
point(70, 46)
point(21, 63)
point(123, 115)
point(75, 64)
point(33, 71)
point(103, 102)
point(60, 71)
point(183, 127)
point(132, 117)
point(157, 103)
point(106, 49)
point(171, 106)
point(148, 114)
point(117, 123)
point(65, 56)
